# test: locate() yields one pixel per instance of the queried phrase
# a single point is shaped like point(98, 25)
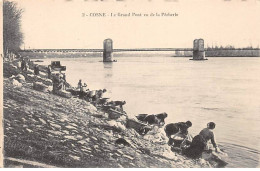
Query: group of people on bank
point(90, 95)
point(177, 133)
point(58, 78)
point(179, 138)
point(24, 63)
point(59, 84)
point(96, 98)
point(59, 81)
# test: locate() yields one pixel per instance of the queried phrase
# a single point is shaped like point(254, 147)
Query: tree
point(12, 35)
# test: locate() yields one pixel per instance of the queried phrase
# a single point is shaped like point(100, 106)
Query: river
point(223, 90)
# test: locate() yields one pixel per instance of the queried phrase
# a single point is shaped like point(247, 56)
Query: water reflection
point(108, 69)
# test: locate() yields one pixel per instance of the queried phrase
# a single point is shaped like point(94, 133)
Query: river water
point(223, 90)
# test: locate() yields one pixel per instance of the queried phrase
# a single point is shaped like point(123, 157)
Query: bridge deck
point(123, 50)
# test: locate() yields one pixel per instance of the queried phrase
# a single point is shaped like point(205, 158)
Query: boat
point(56, 66)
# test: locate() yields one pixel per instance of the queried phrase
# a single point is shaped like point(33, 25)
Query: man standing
point(22, 64)
point(36, 70)
point(49, 71)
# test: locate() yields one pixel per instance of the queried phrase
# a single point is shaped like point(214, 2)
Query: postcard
point(130, 84)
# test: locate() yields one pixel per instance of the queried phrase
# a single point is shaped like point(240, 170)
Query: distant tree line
point(232, 51)
point(231, 48)
point(12, 35)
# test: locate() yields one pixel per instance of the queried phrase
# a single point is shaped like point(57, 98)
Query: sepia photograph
point(130, 84)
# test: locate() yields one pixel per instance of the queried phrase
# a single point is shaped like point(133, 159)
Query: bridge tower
point(108, 50)
point(198, 50)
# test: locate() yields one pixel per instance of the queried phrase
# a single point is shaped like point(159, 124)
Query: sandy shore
point(59, 132)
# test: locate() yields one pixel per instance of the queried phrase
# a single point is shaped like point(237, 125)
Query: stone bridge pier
point(108, 50)
point(198, 50)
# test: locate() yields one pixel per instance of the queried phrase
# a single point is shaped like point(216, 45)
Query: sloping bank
point(65, 132)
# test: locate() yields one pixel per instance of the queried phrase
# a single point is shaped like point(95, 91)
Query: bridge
point(101, 50)
point(108, 50)
point(125, 50)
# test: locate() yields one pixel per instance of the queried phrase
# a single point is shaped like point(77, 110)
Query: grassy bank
point(63, 132)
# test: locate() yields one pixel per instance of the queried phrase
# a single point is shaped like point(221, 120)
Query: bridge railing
point(129, 50)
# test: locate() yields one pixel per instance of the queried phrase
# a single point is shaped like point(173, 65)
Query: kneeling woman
point(200, 142)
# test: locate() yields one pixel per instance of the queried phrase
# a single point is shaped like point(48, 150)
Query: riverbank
point(63, 132)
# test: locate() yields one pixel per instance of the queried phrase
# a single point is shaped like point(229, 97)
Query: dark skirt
point(196, 148)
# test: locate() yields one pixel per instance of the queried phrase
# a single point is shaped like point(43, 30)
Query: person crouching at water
point(117, 103)
point(200, 142)
point(208, 134)
point(61, 83)
point(174, 128)
point(120, 104)
point(80, 84)
point(56, 81)
point(98, 95)
point(84, 87)
point(80, 87)
point(178, 131)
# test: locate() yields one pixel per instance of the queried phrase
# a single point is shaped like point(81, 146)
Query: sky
point(60, 24)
